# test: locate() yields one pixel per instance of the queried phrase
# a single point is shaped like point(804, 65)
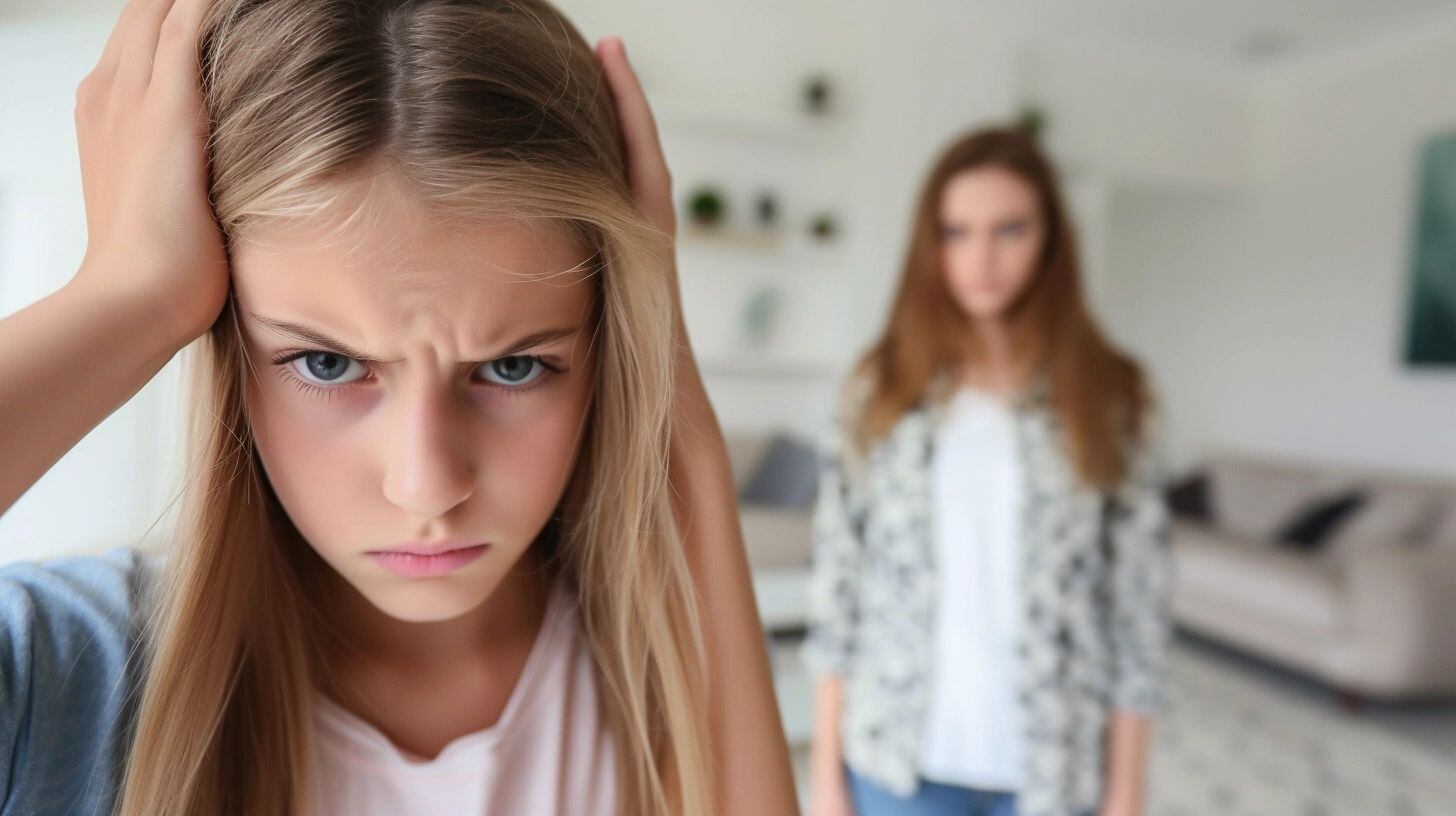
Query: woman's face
point(991, 239)
point(417, 383)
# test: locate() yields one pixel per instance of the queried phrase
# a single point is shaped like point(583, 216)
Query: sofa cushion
point(1287, 589)
point(1393, 515)
point(1252, 500)
point(1444, 527)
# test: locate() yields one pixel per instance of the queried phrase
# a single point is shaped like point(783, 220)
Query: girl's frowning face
point(418, 382)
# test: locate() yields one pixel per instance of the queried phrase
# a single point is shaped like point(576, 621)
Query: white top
point(973, 734)
point(550, 751)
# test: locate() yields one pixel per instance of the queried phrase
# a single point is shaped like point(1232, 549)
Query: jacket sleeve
point(1140, 573)
point(837, 552)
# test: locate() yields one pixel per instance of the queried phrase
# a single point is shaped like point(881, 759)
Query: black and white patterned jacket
point(1093, 588)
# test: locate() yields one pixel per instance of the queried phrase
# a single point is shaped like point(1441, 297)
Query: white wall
point(1274, 317)
point(1129, 117)
point(911, 75)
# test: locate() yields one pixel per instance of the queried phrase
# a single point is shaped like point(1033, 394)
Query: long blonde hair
point(483, 106)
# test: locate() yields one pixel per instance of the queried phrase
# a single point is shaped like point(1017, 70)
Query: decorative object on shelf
point(766, 207)
point(707, 206)
point(824, 226)
point(760, 315)
point(818, 95)
point(1431, 327)
point(1032, 119)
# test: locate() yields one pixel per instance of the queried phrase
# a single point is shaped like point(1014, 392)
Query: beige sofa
point(778, 540)
point(1372, 612)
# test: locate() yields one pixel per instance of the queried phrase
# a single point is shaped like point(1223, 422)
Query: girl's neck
point(424, 685)
point(510, 616)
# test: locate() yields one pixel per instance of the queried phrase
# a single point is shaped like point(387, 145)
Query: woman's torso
point(1063, 668)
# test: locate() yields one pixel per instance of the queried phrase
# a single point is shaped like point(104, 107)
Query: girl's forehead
point(406, 276)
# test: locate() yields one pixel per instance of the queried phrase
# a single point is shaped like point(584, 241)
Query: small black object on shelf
point(818, 94)
point(766, 206)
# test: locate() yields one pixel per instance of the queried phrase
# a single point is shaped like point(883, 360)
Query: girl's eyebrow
point(304, 334)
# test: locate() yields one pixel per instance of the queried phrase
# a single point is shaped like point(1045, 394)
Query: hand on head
point(142, 130)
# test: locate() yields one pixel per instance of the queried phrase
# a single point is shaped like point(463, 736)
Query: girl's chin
point(426, 604)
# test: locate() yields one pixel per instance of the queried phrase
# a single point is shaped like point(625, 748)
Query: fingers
point(646, 165)
point(111, 55)
point(639, 126)
point(176, 57)
point(139, 45)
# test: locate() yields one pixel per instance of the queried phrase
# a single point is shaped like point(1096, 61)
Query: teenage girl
point(460, 533)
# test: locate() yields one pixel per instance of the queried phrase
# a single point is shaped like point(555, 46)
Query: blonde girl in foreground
point(459, 531)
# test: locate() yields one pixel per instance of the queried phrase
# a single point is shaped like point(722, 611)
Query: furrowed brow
point(315, 338)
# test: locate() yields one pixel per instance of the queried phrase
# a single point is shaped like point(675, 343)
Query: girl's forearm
point(754, 775)
point(67, 362)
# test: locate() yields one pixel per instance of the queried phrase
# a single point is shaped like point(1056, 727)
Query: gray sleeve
point(838, 547)
point(1140, 577)
point(68, 628)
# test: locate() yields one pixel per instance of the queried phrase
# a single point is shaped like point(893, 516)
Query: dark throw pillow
point(787, 476)
point(1190, 498)
point(1314, 523)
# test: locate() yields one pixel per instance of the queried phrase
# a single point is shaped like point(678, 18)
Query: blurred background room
point(1265, 199)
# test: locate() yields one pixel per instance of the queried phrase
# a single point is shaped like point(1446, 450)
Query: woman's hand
point(140, 123)
point(1120, 807)
point(830, 797)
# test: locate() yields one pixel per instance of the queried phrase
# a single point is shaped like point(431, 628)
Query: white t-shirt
point(550, 751)
point(973, 735)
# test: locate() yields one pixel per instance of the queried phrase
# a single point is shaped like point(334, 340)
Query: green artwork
point(1432, 332)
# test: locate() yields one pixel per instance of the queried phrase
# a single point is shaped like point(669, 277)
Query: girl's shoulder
point(71, 621)
point(88, 596)
point(69, 631)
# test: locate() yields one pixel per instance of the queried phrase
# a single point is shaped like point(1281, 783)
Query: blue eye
point(514, 371)
point(326, 367)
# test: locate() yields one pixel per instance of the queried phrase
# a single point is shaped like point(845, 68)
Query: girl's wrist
point(111, 289)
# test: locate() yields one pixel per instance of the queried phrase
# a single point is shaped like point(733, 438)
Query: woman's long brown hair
point(1098, 393)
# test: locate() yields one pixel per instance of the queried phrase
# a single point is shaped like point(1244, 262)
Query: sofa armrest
point(1402, 604)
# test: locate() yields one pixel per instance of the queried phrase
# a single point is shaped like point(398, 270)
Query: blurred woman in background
point(988, 620)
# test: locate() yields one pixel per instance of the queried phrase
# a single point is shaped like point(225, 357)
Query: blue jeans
point(931, 799)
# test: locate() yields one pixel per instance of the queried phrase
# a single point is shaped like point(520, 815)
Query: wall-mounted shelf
point(758, 363)
point(734, 238)
point(791, 128)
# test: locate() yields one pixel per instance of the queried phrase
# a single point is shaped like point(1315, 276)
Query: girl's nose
point(429, 470)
